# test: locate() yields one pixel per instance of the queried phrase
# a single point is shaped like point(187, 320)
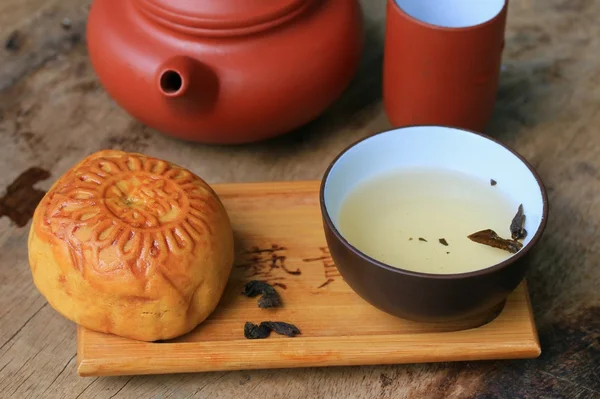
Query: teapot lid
point(225, 15)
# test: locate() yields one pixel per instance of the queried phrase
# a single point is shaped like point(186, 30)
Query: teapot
point(227, 71)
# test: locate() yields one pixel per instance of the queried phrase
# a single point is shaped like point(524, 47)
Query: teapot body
point(225, 82)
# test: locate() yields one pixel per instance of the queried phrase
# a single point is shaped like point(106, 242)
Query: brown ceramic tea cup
point(415, 295)
point(442, 61)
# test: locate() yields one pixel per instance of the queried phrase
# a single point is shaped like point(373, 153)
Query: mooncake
point(131, 245)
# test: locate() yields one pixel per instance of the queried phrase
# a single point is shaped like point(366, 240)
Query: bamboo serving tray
point(279, 238)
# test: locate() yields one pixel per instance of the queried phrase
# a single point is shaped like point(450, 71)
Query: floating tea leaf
point(269, 299)
point(489, 237)
point(493, 182)
point(422, 239)
point(517, 229)
point(443, 241)
point(263, 330)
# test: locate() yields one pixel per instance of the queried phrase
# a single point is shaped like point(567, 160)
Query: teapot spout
point(189, 85)
point(174, 76)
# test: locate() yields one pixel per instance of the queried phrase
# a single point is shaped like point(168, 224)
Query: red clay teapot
point(226, 71)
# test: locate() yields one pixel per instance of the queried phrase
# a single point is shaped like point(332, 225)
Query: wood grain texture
point(280, 239)
point(53, 113)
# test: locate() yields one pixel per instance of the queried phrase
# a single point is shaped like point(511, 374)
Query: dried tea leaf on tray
point(270, 297)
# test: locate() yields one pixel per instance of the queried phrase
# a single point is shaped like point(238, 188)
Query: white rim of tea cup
point(452, 14)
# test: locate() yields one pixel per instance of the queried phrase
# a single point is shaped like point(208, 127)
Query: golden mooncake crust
point(131, 245)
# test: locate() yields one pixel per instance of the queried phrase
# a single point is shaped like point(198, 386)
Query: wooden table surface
point(53, 112)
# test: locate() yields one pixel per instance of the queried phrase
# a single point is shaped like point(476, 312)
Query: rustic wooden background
point(53, 112)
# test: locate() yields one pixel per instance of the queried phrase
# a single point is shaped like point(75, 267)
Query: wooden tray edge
point(122, 366)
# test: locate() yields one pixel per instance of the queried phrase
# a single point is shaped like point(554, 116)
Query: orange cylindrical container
point(442, 61)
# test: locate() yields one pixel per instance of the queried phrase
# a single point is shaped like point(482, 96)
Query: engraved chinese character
point(264, 262)
point(331, 271)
